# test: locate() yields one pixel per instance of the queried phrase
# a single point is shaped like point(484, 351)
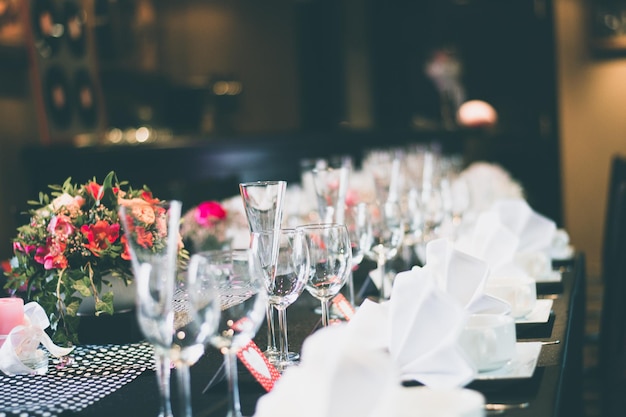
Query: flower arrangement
point(215, 225)
point(72, 246)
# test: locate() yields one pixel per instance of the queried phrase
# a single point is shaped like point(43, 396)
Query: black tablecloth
point(554, 390)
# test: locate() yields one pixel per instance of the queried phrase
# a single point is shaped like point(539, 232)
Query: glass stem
point(351, 286)
point(284, 343)
point(184, 390)
point(271, 333)
point(383, 277)
point(325, 313)
point(163, 372)
point(234, 406)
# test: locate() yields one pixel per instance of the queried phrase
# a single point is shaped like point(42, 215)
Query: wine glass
point(284, 279)
point(243, 299)
point(359, 230)
point(331, 188)
point(196, 317)
point(331, 261)
point(385, 239)
point(263, 202)
point(151, 231)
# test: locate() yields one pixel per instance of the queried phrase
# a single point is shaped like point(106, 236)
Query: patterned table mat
point(93, 372)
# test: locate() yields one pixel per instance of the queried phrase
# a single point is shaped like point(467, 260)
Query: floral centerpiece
point(72, 247)
point(215, 225)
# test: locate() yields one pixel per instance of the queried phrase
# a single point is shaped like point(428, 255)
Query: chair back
point(612, 341)
point(617, 176)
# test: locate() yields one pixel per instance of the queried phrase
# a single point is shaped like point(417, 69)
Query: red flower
point(100, 235)
point(126, 254)
point(209, 212)
point(94, 189)
point(144, 238)
point(147, 195)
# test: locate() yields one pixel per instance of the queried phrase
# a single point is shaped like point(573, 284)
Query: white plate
point(540, 314)
point(521, 366)
point(552, 276)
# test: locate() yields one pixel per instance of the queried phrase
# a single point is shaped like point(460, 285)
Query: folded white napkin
point(487, 183)
point(535, 231)
point(512, 239)
point(425, 324)
point(463, 276)
point(23, 342)
point(346, 368)
point(561, 248)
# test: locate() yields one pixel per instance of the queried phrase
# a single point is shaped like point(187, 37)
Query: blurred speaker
point(64, 70)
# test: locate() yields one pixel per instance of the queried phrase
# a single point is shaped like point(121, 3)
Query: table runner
point(94, 372)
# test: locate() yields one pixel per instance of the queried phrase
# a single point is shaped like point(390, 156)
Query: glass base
point(38, 362)
point(272, 356)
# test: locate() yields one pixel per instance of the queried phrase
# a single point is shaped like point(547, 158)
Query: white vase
point(123, 297)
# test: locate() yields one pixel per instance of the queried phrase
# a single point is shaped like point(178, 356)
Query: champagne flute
point(385, 239)
point(331, 188)
point(331, 261)
point(196, 317)
point(151, 233)
point(284, 279)
point(263, 202)
point(359, 229)
point(243, 299)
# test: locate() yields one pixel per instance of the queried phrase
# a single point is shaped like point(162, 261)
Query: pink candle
point(11, 314)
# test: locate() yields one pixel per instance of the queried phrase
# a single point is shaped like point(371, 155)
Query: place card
point(343, 305)
point(258, 365)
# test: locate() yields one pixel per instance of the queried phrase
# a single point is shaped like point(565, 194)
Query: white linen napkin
point(463, 276)
point(535, 231)
point(425, 324)
point(561, 247)
point(487, 183)
point(23, 342)
point(512, 238)
point(346, 368)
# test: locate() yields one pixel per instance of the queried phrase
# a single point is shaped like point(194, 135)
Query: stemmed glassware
point(263, 202)
point(243, 300)
point(359, 230)
point(331, 188)
point(284, 279)
point(331, 261)
point(152, 234)
point(385, 239)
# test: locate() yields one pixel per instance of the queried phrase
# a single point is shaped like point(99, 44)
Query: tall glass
point(331, 261)
point(331, 188)
point(243, 298)
point(151, 233)
point(385, 239)
point(359, 229)
point(284, 279)
point(263, 203)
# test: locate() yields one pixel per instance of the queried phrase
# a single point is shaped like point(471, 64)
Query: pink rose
point(61, 226)
point(209, 212)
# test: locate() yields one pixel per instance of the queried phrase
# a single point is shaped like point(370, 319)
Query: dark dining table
point(553, 390)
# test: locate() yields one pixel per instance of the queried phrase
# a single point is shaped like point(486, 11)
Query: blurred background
point(200, 94)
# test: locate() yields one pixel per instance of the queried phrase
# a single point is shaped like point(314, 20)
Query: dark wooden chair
point(617, 176)
point(612, 337)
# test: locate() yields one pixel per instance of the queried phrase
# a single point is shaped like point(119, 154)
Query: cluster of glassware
point(222, 297)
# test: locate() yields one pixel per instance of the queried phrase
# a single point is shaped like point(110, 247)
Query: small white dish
point(521, 366)
point(552, 276)
point(539, 314)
